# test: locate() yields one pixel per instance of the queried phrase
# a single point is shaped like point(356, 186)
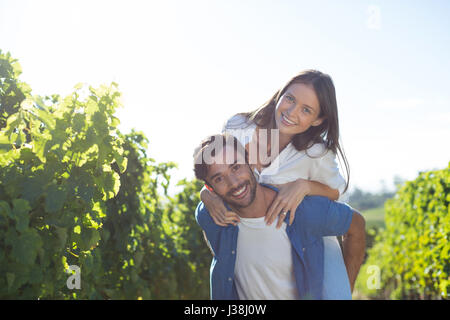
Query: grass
point(374, 217)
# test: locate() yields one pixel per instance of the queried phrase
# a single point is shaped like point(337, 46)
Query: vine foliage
point(74, 190)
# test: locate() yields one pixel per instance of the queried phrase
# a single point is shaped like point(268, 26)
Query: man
point(264, 262)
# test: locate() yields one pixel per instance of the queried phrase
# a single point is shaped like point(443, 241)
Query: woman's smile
point(286, 121)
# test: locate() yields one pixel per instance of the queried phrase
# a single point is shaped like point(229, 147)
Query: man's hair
point(209, 147)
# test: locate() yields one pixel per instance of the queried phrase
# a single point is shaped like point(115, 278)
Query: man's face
point(234, 181)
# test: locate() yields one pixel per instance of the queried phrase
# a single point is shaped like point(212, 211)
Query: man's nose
point(233, 181)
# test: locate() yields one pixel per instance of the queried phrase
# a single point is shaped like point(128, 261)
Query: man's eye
point(236, 167)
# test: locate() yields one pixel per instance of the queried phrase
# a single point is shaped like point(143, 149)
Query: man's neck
point(263, 199)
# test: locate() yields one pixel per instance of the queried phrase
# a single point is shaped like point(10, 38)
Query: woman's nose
point(291, 109)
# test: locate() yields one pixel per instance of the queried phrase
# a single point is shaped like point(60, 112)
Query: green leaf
point(5, 143)
point(45, 116)
point(121, 161)
point(32, 188)
point(91, 105)
point(62, 236)
point(5, 210)
point(111, 185)
point(27, 154)
point(90, 137)
point(56, 196)
point(93, 237)
point(20, 214)
point(40, 148)
point(78, 122)
point(10, 279)
point(13, 122)
point(86, 193)
point(24, 250)
point(36, 275)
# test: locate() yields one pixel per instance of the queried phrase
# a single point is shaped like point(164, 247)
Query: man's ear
point(317, 122)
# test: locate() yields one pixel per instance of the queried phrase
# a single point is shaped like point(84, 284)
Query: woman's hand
point(219, 213)
point(289, 197)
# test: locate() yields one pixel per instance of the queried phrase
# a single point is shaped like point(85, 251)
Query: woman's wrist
point(204, 193)
point(306, 186)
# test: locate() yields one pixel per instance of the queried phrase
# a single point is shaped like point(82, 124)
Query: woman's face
point(298, 109)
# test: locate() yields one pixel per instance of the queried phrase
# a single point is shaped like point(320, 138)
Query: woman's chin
point(285, 130)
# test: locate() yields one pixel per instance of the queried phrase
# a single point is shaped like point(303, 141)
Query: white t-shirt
point(264, 268)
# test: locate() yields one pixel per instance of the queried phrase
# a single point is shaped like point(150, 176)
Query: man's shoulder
point(318, 207)
point(201, 211)
point(204, 218)
point(311, 209)
point(200, 206)
point(314, 202)
point(323, 216)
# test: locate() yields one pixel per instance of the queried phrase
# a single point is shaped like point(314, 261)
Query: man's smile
point(241, 192)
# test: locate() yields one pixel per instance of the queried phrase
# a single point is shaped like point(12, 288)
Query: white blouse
point(316, 163)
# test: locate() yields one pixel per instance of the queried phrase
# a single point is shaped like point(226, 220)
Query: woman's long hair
point(327, 132)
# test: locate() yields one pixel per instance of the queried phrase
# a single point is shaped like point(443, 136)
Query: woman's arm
point(291, 194)
point(326, 171)
point(320, 189)
point(315, 188)
point(324, 177)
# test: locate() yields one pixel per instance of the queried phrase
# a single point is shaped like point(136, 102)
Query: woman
point(304, 115)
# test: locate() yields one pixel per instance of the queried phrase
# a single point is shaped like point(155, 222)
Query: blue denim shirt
point(315, 218)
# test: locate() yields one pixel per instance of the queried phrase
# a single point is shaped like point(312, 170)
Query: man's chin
point(242, 203)
point(239, 203)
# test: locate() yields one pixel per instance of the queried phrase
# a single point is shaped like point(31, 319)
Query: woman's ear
point(317, 122)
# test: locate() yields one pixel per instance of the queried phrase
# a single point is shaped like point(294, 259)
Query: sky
point(184, 67)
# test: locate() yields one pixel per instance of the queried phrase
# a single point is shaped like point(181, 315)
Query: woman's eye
point(289, 98)
point(306, 110)
point(217, 180)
